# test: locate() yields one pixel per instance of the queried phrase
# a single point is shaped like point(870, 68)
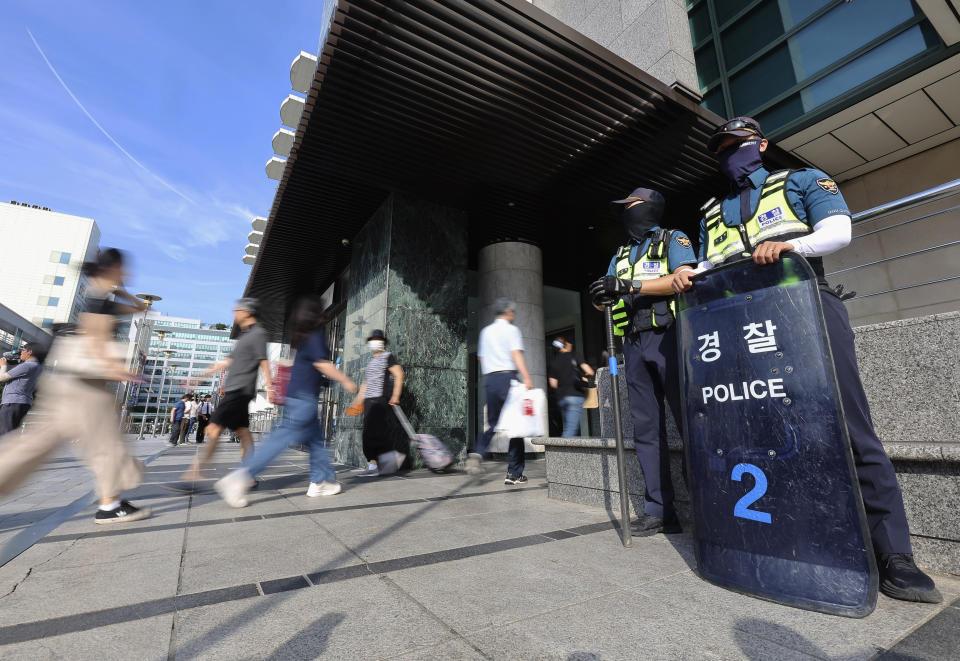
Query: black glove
point(608, 289)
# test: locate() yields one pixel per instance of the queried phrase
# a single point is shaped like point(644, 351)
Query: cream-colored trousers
point(70, 408)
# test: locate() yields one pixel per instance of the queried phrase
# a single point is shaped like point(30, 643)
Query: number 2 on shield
point(742, 508)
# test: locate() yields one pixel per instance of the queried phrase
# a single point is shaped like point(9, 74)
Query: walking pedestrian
point(239, 386)
point(803, 211)
point(567, 375)
point(177, 420)
point(20, 385)
point(190, 414)
point(203, 417)
point(300, 424)
point(75, 404)
point(500, 354)
point(381, 389)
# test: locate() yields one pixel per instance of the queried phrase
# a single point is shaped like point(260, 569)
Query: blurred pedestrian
point(191, 416)
point(75, 404)
point(177, 422)
point(300, 424)
point(381, 388)
point(239, 386)
point(500, 354)
point(20, 384)
point(568, 375)
point(203, 417)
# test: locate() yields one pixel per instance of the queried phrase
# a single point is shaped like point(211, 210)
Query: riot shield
point(776, 505)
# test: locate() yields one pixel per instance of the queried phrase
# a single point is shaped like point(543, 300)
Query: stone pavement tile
point(939, 638)
point(236, 553)
point(53, 591)
point(491, 590)
point(623, 625)
point(817, 634)
point(452, 650)
point(363, 618)
point(207, 505)
point(146, 640)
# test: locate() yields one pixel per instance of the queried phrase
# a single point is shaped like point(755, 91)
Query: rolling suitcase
point(435, 454)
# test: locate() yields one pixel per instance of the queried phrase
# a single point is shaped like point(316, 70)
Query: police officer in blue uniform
point(639, 286)
point(767, 214)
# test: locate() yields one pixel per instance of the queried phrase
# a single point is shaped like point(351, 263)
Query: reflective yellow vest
point(773, 217)
point(651, 265)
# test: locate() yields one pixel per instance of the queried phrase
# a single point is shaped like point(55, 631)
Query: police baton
point(618, 426)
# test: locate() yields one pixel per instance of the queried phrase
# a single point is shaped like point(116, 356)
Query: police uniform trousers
point(652, 375)
point(882, 499)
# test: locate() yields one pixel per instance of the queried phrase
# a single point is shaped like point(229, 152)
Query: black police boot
point(900, 578)
point(646, 525)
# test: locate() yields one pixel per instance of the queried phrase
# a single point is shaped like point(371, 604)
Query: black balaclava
point(738, 161)
point(641, 218)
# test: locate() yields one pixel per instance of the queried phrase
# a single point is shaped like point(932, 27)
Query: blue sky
point(190, 90)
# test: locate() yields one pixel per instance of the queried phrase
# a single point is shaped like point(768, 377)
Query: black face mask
point(641, 218)
point(737, 162)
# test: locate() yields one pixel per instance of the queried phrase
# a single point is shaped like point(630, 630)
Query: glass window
point(783, 113)
point(713, 100)
point(47, 323)
point(762, 81)
point(64, 258)
point(727, 8)
point(707, 68)
point(794, 11)
point(751, 33)
point(843, 30)
point(55, 256)
point(53, 301)
point(869, 65)
point(700, 23)
point(58, 280)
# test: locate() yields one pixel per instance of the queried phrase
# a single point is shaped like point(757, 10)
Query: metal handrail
point(908, 202)
point(923, 197)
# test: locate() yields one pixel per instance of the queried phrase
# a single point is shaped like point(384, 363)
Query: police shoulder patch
point(828, 185)
point(682, 240)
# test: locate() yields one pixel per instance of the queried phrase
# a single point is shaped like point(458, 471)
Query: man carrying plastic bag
point(522, 413)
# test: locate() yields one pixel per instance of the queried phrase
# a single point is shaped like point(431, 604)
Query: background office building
point(437, 155)
point(193, 347)
point(40, 270)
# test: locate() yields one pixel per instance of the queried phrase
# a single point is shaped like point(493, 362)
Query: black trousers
point(652, 376)
point(882, 499)
point(376, 429)
point(11, 415)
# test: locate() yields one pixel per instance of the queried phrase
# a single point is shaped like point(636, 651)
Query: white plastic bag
point(523, 412)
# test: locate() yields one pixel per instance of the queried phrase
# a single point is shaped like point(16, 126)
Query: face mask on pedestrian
point(376, 345)
point(641, 218)
point(738, 161)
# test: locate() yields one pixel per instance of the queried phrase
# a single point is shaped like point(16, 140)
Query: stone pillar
point(408, 276)
point(514, 270)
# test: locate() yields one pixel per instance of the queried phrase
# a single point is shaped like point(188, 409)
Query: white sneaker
point(324, 489)
point(371, 469)
point(233, 488)
point(474, 460)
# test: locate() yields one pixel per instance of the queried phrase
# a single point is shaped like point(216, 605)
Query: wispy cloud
point(104, 131)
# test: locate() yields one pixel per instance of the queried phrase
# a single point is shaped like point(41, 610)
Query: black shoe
point(647, 525)
point(900, 578)
point(254, 484)
point(126, 512)
point(520, 479)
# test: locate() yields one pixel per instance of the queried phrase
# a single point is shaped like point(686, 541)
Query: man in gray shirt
point(19, 385)
point(239, 386)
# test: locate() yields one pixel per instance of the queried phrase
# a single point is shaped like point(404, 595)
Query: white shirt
point(190, 410)
point(496, 342)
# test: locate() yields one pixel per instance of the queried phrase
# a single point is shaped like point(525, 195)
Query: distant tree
point(220, 327)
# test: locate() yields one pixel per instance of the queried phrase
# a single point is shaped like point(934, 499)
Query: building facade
point(187, 348)
point(41, 274)
point(484, 164)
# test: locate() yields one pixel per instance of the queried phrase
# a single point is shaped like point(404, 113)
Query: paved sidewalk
point(419, 566)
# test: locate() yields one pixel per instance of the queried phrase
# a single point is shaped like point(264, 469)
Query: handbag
point(74, 353)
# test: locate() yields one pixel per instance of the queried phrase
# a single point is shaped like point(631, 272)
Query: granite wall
point(408, 277)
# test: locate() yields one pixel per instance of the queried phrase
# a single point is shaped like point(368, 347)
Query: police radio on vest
point(735, 392)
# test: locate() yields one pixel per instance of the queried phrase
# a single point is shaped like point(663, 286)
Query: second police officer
point(639, 282)
point(770, 213)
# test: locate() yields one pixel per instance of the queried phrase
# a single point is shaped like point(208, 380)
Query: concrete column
point(514, 270)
